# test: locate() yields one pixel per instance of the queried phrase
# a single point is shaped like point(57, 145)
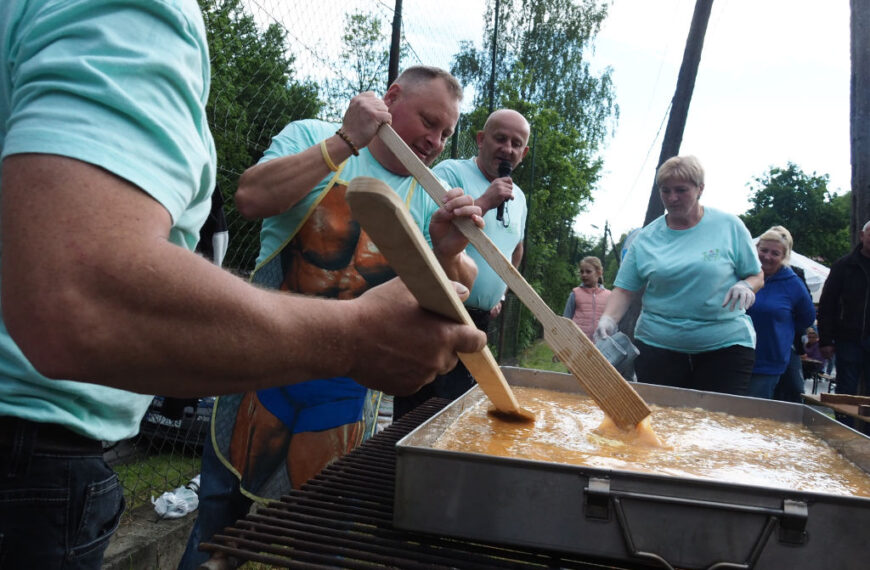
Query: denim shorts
point(57, 509)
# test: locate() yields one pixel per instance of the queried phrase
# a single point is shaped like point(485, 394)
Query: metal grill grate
point(343, 517)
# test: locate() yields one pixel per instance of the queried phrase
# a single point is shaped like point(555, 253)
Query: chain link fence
point(274, 61)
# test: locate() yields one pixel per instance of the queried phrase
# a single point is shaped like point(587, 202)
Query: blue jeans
point(762, 385)
point(853, 366)
point(221, 504)
point(57, 509)
point(791, 383)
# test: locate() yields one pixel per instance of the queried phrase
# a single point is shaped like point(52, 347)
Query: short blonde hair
point(781, 235)
point(686, 168)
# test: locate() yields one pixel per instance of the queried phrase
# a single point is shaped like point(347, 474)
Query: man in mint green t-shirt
point(502, 145)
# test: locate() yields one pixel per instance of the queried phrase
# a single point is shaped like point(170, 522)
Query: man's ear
point(525, 152)
point(480, 135)
point(392, 94)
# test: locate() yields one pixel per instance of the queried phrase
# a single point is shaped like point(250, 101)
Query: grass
point(155, 474)
point(540, 357)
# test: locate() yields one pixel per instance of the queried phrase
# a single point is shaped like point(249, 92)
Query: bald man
point(504, 139)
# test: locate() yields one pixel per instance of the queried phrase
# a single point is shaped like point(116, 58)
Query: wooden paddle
point(597, 376)
point(384, 217)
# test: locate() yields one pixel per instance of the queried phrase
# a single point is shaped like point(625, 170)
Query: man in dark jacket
point(844, 316)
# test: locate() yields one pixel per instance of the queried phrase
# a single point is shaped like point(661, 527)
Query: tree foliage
point(817, 219)
point(364, 61)
point(253, 96)
point(544, 74)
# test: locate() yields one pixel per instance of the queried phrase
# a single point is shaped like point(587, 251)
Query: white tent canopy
point(814, 272)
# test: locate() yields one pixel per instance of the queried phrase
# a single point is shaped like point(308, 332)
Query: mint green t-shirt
point(488, 287)
point(301, 135)
point(121, 85)
point(687, 274)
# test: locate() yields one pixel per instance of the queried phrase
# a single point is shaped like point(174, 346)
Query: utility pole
point(682, 98)
point(676, 126)
point(494, 56)
point(859, 116)
point(395, 44)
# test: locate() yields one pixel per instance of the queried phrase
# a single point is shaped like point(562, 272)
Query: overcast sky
point(772, 87)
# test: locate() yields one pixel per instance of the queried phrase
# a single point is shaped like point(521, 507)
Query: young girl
point(586, 302)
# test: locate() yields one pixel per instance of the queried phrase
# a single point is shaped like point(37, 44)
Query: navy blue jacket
point(781, 307)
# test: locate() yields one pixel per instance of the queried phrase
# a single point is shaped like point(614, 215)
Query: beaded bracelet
point(326, 158)
point(349, 142)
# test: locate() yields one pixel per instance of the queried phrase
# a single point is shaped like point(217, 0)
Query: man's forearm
point(113, 302)
point(459, 268)
point(140, 330)
point(273, 187)
point(196, 330)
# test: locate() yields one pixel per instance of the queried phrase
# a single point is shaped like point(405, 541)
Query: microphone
point(504, 169)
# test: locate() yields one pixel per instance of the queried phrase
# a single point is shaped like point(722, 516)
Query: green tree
point(817, 219)
point(253, 96)
point(544, 74)
point(364, 61)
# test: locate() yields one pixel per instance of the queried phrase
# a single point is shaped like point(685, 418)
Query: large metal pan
point(629, 516)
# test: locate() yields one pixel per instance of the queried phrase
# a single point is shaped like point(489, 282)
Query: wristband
point(349, 142)
point(326, 158)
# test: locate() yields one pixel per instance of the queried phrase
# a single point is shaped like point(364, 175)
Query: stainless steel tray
point(626, 516)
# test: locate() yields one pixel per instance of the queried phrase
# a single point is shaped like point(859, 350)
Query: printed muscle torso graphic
point(306, 426)
point(331, 256)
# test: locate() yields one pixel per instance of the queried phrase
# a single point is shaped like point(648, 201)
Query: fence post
point(494, 56)
point(395, 44)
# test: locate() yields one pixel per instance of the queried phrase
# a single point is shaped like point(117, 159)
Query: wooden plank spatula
point(598, 377)
point(384, 217)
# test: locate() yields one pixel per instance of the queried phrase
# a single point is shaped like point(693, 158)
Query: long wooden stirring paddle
point(596, 375)
point(384, 217)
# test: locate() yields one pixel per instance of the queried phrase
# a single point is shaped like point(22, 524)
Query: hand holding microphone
point(504, 169)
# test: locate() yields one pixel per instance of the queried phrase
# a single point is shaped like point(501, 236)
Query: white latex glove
point(606, 327)
point(740, 296)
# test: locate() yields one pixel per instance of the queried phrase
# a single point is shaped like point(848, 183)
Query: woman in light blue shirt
point(698, 273)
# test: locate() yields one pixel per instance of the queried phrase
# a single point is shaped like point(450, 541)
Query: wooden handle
point(844, 399)
point(598, 377)
point(383, 216)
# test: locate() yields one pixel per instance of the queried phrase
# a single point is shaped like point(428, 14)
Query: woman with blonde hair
point(698, 273)
point(586, 302)
point(781, 307)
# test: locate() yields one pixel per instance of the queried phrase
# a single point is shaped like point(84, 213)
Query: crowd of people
point(108, 175)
